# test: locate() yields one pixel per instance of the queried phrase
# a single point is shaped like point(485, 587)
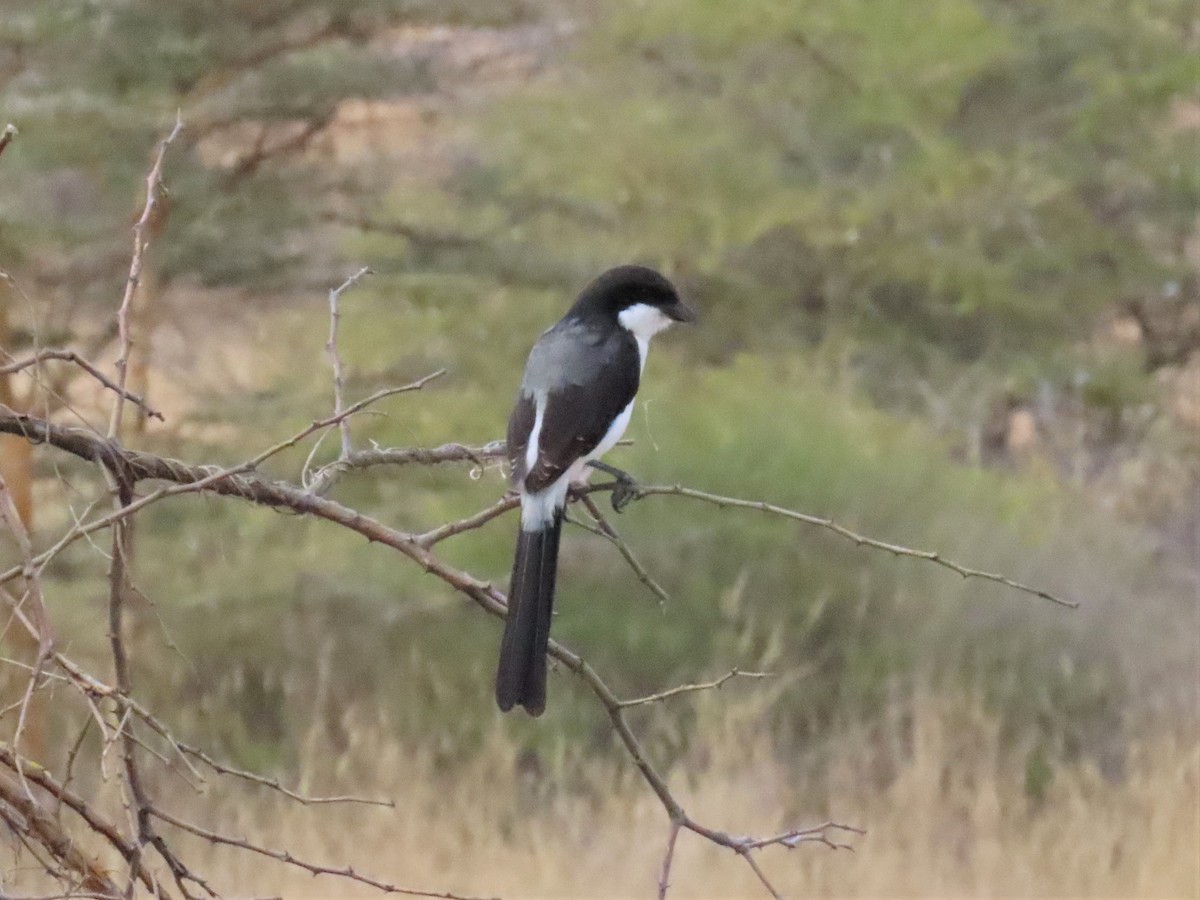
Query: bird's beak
point(680, 312)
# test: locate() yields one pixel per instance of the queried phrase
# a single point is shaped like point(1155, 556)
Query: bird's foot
point(625, 490)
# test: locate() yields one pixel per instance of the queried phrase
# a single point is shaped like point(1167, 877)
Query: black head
point(614, 291)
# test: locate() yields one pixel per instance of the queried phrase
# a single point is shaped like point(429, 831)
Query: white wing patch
point(535, 434)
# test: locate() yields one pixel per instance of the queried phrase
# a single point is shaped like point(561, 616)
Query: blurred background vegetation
point(946, 256)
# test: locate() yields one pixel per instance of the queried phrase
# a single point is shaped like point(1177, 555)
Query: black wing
point(577, 415)
point(520, 424)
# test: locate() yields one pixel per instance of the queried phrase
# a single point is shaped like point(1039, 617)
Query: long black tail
point(521, 675)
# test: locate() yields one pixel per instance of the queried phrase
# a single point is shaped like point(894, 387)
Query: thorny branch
point(284, 856)
point(95, 822)
point(125, 468)
point(249, 485)
point(335, 360)
point(26, 817)
point(605, 529)
point(153, 187)
point(71, 356)
point(861, 540)
point(32, 600)
point(274, 783)
point(692, 688)
point(118, 582)
point(255, 488)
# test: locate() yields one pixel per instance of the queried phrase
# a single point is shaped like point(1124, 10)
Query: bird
point(573, 405)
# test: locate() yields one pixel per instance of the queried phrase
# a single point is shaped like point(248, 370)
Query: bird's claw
point(625, 489)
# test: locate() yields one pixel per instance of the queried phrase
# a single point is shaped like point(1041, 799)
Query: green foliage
point(961, 177)
point(93, 87)
point(916, 195)
point(275, 615)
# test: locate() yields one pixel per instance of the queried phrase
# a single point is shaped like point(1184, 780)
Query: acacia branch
point(99, 825)
point(37, 612)
point(478, 520)
point(41, 826)
point(273, 783)
point(72, 356)
point(858, 539)
point(335, 360)
point(605, 530)
point(286, 857)
point(252, 487)
point(692, 688)
point(188, 479)
point(153, 187)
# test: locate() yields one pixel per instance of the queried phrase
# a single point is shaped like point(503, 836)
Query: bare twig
point(40, 825)
point(363, 459)
point(122, 535)
point(692, 688)
point(664, 878)
point(73, 801)
point(753, 863)
point(253, 487)
point(6, 136)
point(72, 356)
point(274, 783)
point(605, 529)
point(485, 515)
point(28, 568)
point(816, 834)
point(32, 597)
point(88, 445)
point(153, 186)
point(118, 579)
point(335, 361)
point(861, 540)
point(284, 856)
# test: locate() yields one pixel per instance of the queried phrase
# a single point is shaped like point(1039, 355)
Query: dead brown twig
point(335, 360)
point(153, 187)
point(860, 540)
point(604, 529)
point(73, 357)
point(283, 856)
point(252, 487)
point(96, 823)
point(25, 816)
point(693, 688)
point(32, 599)
point(274, 783)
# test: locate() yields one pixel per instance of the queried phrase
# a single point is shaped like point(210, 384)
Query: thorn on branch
point(73, 357)
point(274, 783)
point(153, 188)
point(6, 137)
point(286, 857)
point(335, 360)
point(604, 529)
point(692, 688)
point(858, 539)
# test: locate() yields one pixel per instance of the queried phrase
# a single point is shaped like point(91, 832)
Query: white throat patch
point(643, 321)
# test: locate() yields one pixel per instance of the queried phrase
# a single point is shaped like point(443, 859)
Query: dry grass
point(944, 802)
